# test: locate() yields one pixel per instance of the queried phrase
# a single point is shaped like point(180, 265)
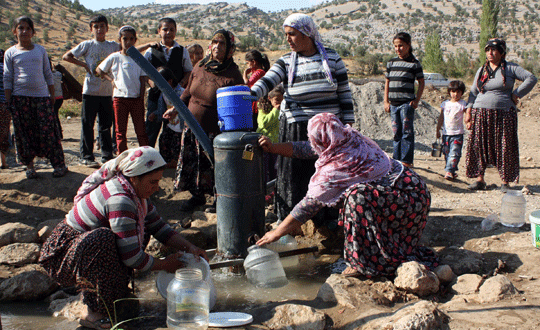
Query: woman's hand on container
point(170, 114)
point(197, 252)
point(265, 143)
point(170, 263)
point(269, 237)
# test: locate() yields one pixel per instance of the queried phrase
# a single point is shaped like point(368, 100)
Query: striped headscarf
point(306, 26)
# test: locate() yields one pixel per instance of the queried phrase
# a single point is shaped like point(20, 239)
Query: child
point(5, 118)
point(399, 98)
point(257, 65)
point(171, 137)
point(268, 122)
point(452, 116)
point(97, 93)
point(129, 82)
point(29, 92)
point(170, 54)
point(196, 53)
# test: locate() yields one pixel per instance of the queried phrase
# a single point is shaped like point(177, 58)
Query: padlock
point(248, 152)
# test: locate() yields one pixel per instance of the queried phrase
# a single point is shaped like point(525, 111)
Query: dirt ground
point(454, 220)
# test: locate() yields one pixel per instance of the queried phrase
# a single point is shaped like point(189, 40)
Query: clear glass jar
point(188, 297)
point(263, 268)
point(513, 209)
point(285, 243)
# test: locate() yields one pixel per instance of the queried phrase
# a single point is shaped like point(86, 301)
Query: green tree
point(46, 35)
point(488, 24)
point(433, 59)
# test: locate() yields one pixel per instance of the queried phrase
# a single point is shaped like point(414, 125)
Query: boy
point(167, 53)
point(196, 53)
point(452, 117)
point(97, 92)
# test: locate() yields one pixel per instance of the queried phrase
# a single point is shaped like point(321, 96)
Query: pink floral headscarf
point(346, 157)
point(130, 163)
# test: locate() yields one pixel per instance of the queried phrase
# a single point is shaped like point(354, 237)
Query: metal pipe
point(283, 254)
point(166, 89)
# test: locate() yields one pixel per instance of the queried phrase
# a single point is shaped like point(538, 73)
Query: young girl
point(171, 137)
point(29, 91)
point(452, 117)
point(5, 118)
point(129, 81)
point(399, 98)
point(257, 65)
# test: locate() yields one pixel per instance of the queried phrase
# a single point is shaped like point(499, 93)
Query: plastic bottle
point(263, 268)
point(187, 300)
point(489, 222)
point(513, 209)
point(285, 243)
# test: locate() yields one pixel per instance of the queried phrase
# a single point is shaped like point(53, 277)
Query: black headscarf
point(487, 72)
point(215, 66)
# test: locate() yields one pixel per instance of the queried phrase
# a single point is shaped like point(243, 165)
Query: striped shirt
point(110, 206)
point(401, 74)
point(310, 93)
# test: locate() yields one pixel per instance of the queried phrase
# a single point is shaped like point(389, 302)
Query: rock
point(18, 254)
point(461, 261)
point(27, 286)
point(352, 292)
point(467, 284)
point(297, 317)
point(416, 278)
point(71, 307)
point(526, 191)
point(16, 232)
point(496, 288)
point(270, 217)
point(60, 294)
point(444, 273)
point(423, 315)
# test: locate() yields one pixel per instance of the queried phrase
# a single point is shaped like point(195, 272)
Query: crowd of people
point(305, 115)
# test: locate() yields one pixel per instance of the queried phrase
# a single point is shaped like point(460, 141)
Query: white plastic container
point(188, 297)
point(285, 243)
point(534, 218)
point(263, 268)
point(513, 209)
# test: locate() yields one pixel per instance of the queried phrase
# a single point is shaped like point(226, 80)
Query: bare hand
point(247, 71)
point(172, 262)
point(170, 114)
point(197, 252)
point(152, 117)
point(154, 45)
point(414, 104)
point(265, 143)
point(467, 119)
point(387, 106)
point(438, 134)
point(515, 99)
point(269, 237)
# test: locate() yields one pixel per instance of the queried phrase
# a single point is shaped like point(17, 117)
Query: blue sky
point(266, 5)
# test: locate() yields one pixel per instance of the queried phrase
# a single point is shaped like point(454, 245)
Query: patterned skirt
point(170, 143)
point(5, 121)
point(493, 141)
point(383, 224)
point(194, 171)
point(89, 260)
point(37, 133)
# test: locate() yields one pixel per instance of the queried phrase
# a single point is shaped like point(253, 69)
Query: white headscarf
point(306, 26)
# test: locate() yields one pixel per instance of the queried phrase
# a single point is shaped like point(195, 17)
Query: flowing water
point(234, 293)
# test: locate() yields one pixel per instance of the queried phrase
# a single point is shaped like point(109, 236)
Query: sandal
point(97, 324)
point(31, 174)
point(477, 185)
point(449, 176)
point(59, 172)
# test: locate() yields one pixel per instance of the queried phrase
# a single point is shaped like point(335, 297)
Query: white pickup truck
point(435, 79)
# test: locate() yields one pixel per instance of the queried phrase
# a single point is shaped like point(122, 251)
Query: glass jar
point(263, 268)
point(513, 209)
point(188, 297)
point(285, 243)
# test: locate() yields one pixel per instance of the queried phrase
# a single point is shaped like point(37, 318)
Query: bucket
point(234, 106)
point(534, 218)
point(436, 149)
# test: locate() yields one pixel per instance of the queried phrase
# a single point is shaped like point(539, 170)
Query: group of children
point(114, 88)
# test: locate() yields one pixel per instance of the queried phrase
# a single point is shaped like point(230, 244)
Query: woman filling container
point(103, 237)
point(383, 205)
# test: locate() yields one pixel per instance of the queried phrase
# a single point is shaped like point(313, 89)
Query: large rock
point(16, 232)
point(467, 284)
point(297, 317)
point(18, 254)
point(461, 261)
point(416, 278)
point(423, 315)
point(71, 307)
point(32, 285)
point(496, 288)
point(352, 292)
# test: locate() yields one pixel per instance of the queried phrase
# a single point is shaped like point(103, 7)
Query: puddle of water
point(234, 293)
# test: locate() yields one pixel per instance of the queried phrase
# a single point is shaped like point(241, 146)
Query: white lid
point(228, 319)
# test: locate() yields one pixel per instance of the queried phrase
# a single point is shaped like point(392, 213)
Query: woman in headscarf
point(218, 69)
point(491, 116)
point(383, 205)
point(102, 239)
point(315, 81)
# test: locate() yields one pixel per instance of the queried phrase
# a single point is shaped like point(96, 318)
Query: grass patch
point(70, 108)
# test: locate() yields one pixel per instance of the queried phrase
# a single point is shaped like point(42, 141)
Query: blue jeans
point(403, 128)
point(452, 145)
point(100, 106)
